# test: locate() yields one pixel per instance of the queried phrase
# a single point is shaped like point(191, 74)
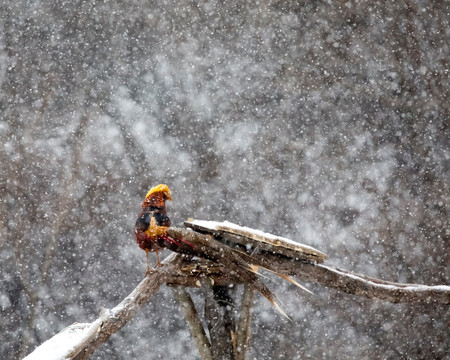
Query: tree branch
point(356, 284)
point(219, 306)
point(195, 325)
point(114, 319)
point(329, 276)
point(244, 324)
point(187, 271)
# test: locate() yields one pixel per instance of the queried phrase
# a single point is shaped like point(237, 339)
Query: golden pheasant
point(152, 235)
point(152, 223)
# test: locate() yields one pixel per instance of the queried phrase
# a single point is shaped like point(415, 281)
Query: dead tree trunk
point(219, 316)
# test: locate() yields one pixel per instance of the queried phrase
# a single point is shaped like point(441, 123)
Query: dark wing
point(142, 222)
point(161, 219)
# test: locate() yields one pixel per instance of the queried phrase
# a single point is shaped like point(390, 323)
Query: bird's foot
point(149, 272)
point(155, 269)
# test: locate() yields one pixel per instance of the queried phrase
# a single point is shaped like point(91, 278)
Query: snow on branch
point(372, 288)
point(78, 341)
point(295, 263)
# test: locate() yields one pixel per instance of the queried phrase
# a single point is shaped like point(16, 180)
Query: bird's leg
point(148, 263)
point(158, 262)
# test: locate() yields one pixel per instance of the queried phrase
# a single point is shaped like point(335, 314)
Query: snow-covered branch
point(329, 276)
point(78, 341)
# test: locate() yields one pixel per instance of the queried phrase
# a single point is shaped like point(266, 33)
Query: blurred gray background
point(326, 122)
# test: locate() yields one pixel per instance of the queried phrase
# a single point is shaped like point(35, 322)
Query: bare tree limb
point(87, 337)
point(219, 306)
point(372, 288)
point(244, 324)
point(114, 319)
point(343, 280)
point(195, 325)
point(361, 285)
point(354, 283)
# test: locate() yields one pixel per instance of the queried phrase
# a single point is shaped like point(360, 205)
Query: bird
point(151, 233)
point(152, 223)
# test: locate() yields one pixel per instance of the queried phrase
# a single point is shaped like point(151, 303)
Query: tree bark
point(195, 325)
point(244, 326)
point(114, 319)
point(219, 307)
point(329, 276)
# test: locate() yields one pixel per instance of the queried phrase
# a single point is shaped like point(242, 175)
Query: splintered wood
point(257, 240)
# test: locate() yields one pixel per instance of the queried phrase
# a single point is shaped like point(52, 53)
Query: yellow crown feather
point(161, 188)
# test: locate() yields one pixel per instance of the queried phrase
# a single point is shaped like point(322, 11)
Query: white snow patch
point(64, 344)
point(258, 234)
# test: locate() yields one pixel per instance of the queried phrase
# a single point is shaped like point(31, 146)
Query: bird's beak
point(169, 195)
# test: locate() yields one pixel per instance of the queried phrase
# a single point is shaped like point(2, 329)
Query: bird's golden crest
point(161, 188)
